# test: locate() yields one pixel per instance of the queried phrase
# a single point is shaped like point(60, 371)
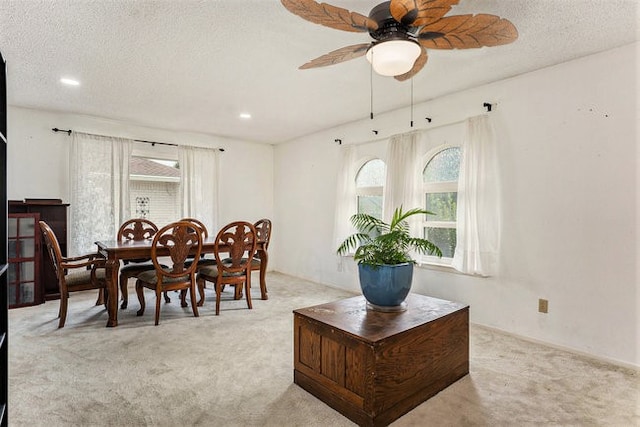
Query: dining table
point(115, 251)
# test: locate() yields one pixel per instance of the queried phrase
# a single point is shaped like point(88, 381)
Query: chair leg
point(183, 298)
point(218, 291)
point(194, 306)
point(140, 292)
point(124, 279)
point(101, 299)
point(264, 259)
point(201, 285)
point(157, 308)
point(247, 290)
point(62, 314)
point(167, 300)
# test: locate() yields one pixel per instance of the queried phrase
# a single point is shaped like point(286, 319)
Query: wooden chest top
point(352, 316)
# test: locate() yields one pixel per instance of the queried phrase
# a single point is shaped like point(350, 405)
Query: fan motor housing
point(388, 27)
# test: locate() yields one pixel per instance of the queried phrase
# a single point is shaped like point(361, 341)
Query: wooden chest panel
point(373, 367)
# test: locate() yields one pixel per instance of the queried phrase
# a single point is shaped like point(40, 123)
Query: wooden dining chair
point(238, 239)
point(263, 230)
point(175, 241)
point(202, 260)
point(79, 273)
point(136, 229)
point(263, 233)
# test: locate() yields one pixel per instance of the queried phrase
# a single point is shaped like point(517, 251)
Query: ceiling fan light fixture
point(393, 57)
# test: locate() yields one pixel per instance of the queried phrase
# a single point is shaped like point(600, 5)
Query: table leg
point(112, 268)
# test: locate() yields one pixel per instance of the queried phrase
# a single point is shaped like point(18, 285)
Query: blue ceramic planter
point(386, 287)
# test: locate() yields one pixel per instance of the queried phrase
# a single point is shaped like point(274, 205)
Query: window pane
point(371, 174)
point(27, 248)
point(27, 292)
point(13, 272)
point(13, 249)
point(443, 167)
point(444, 238)
point(27, 271)
point(154, 189)
point(27, 227)
point(371, 205)
point(12, 295)
point(13, 227)
point(443, 205)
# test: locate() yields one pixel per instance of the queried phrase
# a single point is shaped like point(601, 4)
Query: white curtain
point(479, 207)
point(345, 195)
point(404, 179)
point(99, 179)
point(199, 185)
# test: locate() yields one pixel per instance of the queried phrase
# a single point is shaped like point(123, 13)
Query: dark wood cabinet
point(4, 307)
point(54, 213)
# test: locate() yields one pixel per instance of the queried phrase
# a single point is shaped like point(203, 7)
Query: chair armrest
point(91, 261)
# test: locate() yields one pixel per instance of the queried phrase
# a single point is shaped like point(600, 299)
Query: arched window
point(369, 186)
point(440, 180)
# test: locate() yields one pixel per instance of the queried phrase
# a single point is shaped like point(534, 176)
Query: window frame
point(437, 187)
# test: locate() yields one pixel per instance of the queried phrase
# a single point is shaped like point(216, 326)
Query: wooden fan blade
point(337, 56)
point(417, 66)
point(330, 16)
point(467, 32)
point(416, 13)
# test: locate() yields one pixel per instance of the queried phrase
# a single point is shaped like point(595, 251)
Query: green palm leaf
point(378, 242)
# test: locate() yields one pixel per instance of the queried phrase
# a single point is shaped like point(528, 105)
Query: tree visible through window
point(440, 178)
point(369, 185)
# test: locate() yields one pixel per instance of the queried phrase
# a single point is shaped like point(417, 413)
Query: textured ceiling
point(194, 65)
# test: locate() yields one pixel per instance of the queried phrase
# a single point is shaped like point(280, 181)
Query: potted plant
point(382, 251)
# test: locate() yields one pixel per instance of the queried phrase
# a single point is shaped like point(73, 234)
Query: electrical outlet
point(543, 305)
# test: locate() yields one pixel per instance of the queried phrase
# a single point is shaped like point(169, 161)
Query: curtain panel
point(403, 186)
point(99, 181)
point(345, 195)
point(479, 205)
point(199, 169)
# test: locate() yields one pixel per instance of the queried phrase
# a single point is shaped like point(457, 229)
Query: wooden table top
point(352, 316)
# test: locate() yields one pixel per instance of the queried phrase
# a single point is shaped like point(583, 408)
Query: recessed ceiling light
point(70, 82)
point(245, 115)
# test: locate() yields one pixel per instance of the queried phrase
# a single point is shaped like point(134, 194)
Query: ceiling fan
point(403, 30)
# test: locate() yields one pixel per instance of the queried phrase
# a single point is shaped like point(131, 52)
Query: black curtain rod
point(68, 132)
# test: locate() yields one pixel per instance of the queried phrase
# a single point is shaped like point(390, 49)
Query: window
point(440, 180)
point(369, 185)
point(154, 186)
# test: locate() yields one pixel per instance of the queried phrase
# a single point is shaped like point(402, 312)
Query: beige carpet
point(236, 369)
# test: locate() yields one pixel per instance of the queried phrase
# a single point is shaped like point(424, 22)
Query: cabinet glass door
point(23, 245)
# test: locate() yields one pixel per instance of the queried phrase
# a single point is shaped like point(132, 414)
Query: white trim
point(154, 178)
point(594, 357)
point(369, 191)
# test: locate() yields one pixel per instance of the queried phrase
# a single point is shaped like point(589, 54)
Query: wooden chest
point(373, 367)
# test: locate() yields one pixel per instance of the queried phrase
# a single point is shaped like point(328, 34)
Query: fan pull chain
point(371, 87)
point(411, 101)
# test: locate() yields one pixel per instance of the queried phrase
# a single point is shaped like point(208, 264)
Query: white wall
point(38, 160)
point(568, 154)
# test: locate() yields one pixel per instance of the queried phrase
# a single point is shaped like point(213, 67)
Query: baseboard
point(616, 362)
